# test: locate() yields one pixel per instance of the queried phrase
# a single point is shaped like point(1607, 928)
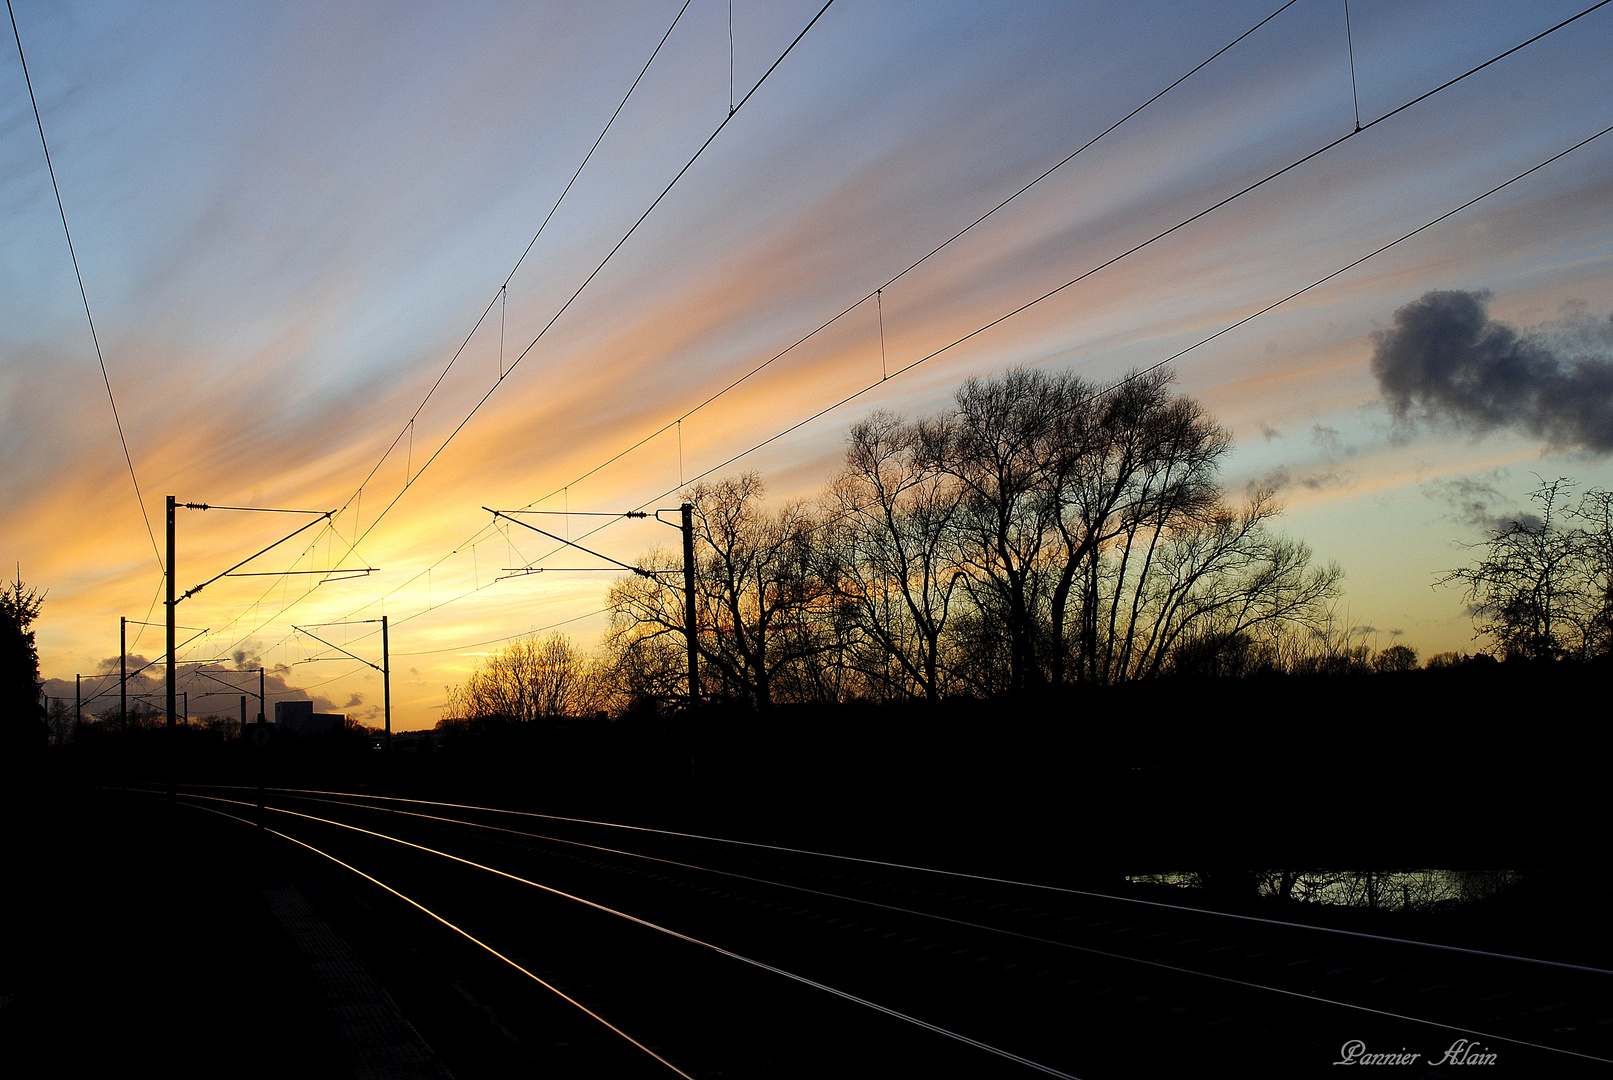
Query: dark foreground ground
point(162, 939)
point(127, 949)
point(141, 936)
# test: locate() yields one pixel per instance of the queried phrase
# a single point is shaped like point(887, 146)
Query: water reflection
point(1410, 890)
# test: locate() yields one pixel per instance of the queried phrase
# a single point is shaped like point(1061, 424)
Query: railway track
point(704, 957)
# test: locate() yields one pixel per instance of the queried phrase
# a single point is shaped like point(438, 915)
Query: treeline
point(1038, 534)
point(1041, 532)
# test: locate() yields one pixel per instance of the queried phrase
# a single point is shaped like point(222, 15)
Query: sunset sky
point(289, 216)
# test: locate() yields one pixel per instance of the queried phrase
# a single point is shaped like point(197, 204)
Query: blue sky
point(289, 216)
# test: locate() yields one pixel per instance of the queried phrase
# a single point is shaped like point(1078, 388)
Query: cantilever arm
point(640, 571)
point(325, 516)
point(338, 648)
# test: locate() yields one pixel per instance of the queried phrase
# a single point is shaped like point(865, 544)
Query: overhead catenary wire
point(522, 355)
point(498, 640)
point(578, 292)
point(501, 293)
point(1349, 44)
point(482, 533)
point(1152, 367)
point(500, 296)
point(1355, 262)
point(678, 422)
point(859, 393)
point(148, 664)
point(83, 293)
point(875, 294)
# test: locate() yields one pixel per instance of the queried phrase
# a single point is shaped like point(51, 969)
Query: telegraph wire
point(1159, 236)
point(915, 363)
point(502, 291)
point(83, 294)
point(524, 352)
point(1132, 377)
point(480, 535)
point(875, 294)
point(677, 423)
point(602, 264)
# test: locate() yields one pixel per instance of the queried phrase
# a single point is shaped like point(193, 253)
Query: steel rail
point(456, 929)
point(1244, 983)
point(1360, 934)
point(1007, 1055)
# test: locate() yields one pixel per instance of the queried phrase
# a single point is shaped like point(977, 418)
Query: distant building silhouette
point(299, 718)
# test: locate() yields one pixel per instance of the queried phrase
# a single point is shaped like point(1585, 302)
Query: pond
point(1410, 890)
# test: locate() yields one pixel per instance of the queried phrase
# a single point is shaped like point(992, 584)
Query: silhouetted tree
point(760, 602)
point(1541, 590)
point(1038, 532)
point(1097, 535)
point(1596, 511)
point(1006, 454)
point(894, 510)
point(1395, 658)
point(22, 718)
point(1223, 579)
point(529, 679)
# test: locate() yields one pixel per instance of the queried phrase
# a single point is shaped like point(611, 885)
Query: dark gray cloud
point(207, 696)
point(1446, 362)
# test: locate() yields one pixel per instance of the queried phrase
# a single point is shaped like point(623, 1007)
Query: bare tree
point(1395, 658)
point(1140, 475)
point(1096, 534)
point(759, 599)
point(1006, 454)
point(529, 679)
point(1535, 591)
point(895, 509)
point(1222, 580)
point(1596, 511)
point(1036, 533)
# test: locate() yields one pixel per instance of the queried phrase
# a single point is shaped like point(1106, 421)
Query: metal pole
point(78, 702)
point(386, 684)
point(243, 716)
point(259, 751)
point(172, 702)
point(123, 670)
point(689, 628)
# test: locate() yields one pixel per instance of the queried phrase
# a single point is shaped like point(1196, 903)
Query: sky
point(291, 219)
